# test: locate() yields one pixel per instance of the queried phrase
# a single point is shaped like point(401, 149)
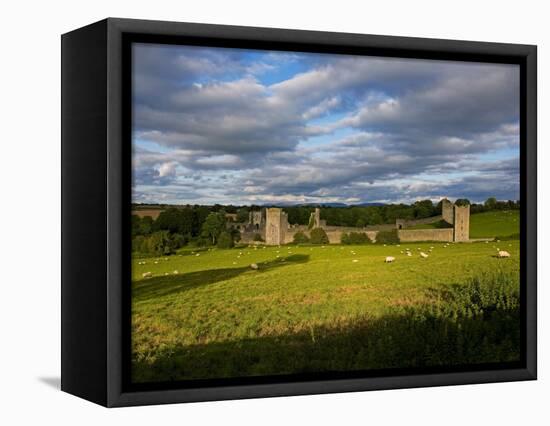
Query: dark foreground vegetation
point(471, 323)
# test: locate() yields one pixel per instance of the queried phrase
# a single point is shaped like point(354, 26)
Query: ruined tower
point(276, 226)
point(447, 211)
point(459, 217)
point(461, 222)
point(257, 218)
point(315, 217)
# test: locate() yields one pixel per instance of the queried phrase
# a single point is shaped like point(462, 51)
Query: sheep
point(503, 254)
point(423, 255)
point(389, 259)
point(254, 266)
point(176, 272)
point(198, 254)
point(355, 261)
point(409, 253)
point(147, 274)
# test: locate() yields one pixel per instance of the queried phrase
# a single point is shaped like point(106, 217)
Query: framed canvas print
point(252, 212)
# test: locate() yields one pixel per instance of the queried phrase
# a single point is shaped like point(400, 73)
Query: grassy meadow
point(205, 313)
point(493, 224)
point(500, 224)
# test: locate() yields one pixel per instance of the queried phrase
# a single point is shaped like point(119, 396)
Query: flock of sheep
point(389, 259)
point(501, 254)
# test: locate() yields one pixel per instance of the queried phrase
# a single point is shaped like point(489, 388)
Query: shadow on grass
point(410, 338)
point(170, 284)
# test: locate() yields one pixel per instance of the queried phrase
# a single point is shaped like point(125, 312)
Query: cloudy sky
point(234, 126)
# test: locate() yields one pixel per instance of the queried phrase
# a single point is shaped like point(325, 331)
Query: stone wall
point(334, 233)
point(410, 235)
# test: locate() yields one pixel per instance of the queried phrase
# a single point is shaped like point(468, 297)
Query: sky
point(234, 126)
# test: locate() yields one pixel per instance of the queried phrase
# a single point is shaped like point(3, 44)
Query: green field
point(498, 224)
point(331, 308)
point(494, 224)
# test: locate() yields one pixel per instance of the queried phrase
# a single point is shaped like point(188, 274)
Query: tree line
point(176, 227)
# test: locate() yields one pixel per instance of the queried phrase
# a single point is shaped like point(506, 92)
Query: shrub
point(318, 236)
point(138, 244)
point(257, 237)
point(225, 240)
point(387, 237)
point(300, 238)
point(159, 243)
point(355, 238)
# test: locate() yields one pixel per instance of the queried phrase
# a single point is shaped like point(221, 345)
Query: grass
point(313, 308)
point(434, 225)
point(495, 224)
point(503, 224)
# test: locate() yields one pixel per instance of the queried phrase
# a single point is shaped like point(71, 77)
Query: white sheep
point(355, 261)
point(503, 254)
point(390, 259)
point(409, 253)
point(176, 272)
point(423, 255)
point(254, 266)
point(147, 274)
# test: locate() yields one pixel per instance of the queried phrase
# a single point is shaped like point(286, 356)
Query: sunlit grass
point(207, 304)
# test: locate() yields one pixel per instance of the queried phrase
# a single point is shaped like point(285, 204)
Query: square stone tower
point(461, 223)
point(447, 211)
point(276, 226)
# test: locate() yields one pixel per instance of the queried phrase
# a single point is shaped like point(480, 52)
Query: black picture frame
point(96, 177)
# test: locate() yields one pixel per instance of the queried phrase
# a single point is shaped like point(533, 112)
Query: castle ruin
point(458, 217)
point(271, 225)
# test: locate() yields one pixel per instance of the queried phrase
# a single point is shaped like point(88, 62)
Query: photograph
point(296, 213)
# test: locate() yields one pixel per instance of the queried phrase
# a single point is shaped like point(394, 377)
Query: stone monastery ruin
point(273, 227)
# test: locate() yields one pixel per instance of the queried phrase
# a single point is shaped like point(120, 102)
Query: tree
point(355, 238)
point(213, 226)
point(300, 238)
point(225, 240)
point(462, 202)
point(146, 225)
point(175, 221)
point(159, 243)
point(423, 209)
point(318, 236)
point(491, 203)
point(387, 237)
point(136, 225)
